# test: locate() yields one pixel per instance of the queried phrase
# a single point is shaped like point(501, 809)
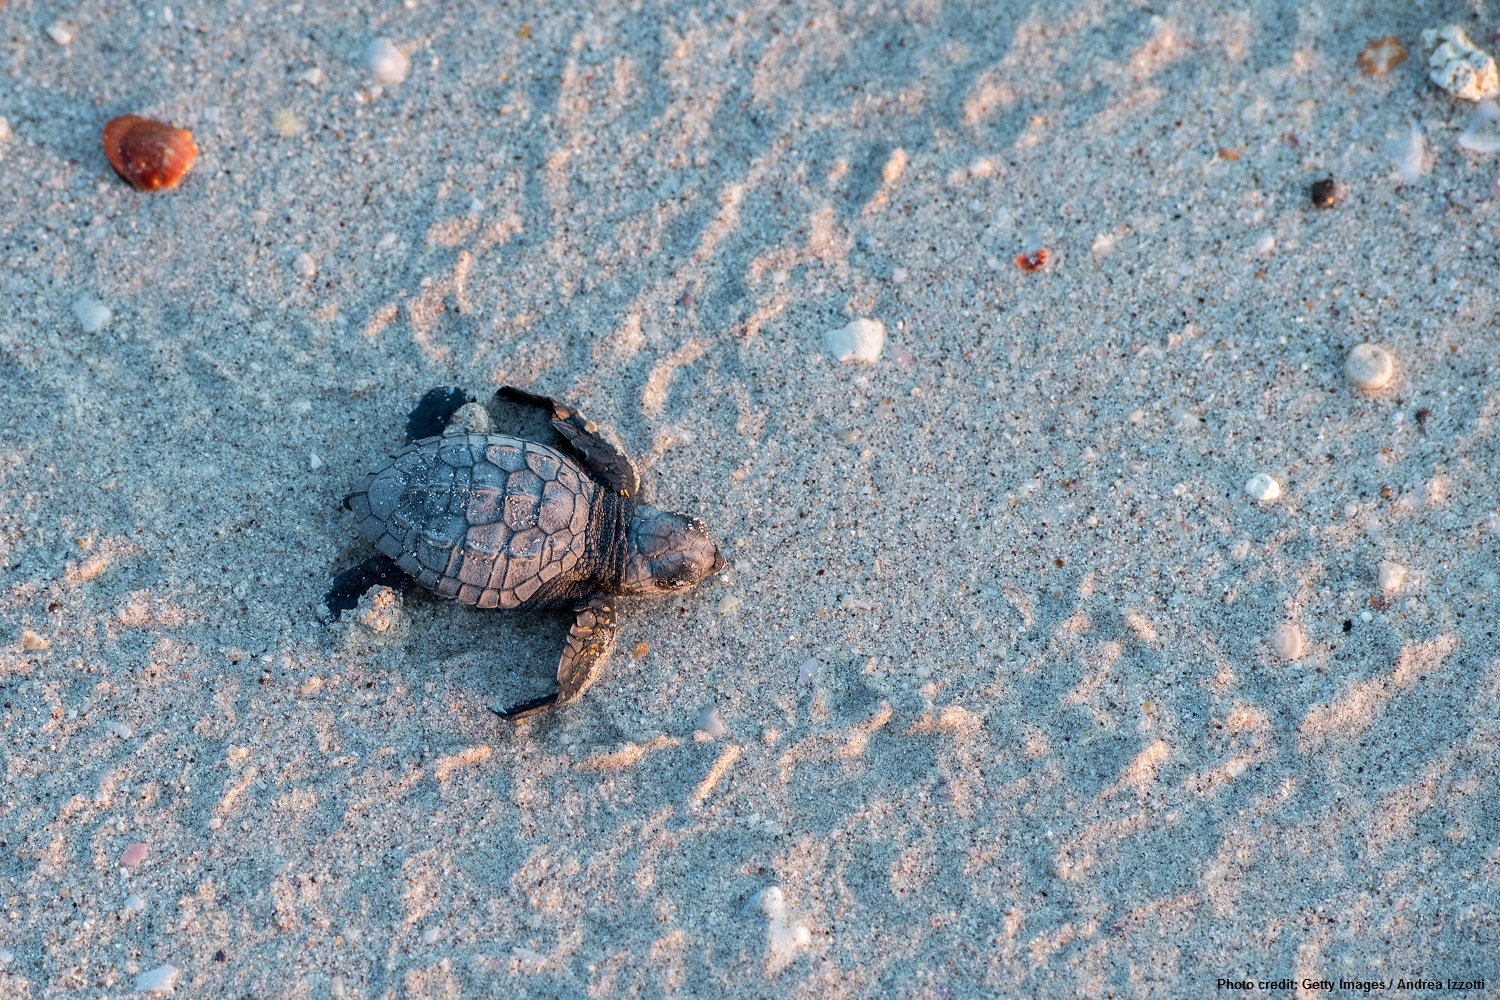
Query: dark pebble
point(1324, 193)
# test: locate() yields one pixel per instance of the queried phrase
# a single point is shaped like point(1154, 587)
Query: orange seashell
point(148, 155)
point(1032, 262)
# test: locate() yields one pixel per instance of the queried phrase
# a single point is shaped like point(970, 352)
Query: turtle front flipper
point(590, 640)
point(612, 466)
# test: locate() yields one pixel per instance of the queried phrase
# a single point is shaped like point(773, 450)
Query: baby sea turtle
point(495, 521)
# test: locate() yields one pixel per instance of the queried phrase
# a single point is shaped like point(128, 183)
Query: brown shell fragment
point(1380, 57)
point(1032, 262)
point(148, 155)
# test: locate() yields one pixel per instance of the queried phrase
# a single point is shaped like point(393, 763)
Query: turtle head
point(667, 552)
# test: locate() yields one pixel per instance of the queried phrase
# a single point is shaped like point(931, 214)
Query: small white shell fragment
point(92, 314)
point(305, 265)
point(861, 341)
point(1410, 154)
point(729, 603)
point(1481, 135)
point(133, 904)
point(1390, 577)
point(431, 934)
point(312, 76)
point(1286, 643)
point(1458, 65)
point(1263, 489)
point(60, 32)
point(386, 63)
point(808, 669)
point(1369, 367)
point(120, 729)
point(1265, 244)
point(314, 462)
point(784, 939)
point(710, 724)
point(161, 979)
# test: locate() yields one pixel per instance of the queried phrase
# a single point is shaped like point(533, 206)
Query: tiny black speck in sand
point(1324, 193)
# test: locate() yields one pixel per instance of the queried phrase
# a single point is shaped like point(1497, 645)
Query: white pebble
point(431, 934)
point(158, 980)
point(314, 462)
point(1410, 154)
point(312, 77)
point(808, 669)
point(710, 724)
point(285, 123)
point(1286, 643)
point(4, 129)
point(1265, 244)
point(1458, 65)
point(120, 729)
point(215, 823)
point(166, 15)
point(386, 63)
point(305, 265)
point(1480, 136)
point(861, 341)
point(898, 276)
point(134, 904)
point(60, 32)
point(1390, 576)
point(92, 314)
point(1369, 367)
point(1263, 489)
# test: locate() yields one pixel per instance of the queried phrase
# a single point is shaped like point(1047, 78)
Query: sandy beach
point(1010, 687)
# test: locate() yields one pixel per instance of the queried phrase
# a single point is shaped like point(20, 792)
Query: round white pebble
point(1369, 367)
point(60, 32)
point(305, 266)
point(1286, 643)
point(861, 341)
point(1390, 577)
point(1265, 244)
point(386, 63)
point(1263, 489)
point(431, 934)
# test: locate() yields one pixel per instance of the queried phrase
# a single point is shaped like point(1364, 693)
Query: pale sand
point(1050, 750)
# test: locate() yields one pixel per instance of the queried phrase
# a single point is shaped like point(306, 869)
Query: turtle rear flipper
point(611, 465)
point(345, 590)
point(590, 641)
point(430, 416)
